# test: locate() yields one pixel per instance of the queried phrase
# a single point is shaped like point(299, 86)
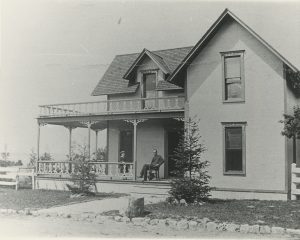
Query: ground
point(16, 226)
point(284, 214)
point(37, 199)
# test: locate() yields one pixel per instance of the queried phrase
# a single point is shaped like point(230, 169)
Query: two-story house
point(232, 80)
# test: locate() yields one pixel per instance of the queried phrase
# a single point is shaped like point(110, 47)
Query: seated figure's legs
point(144, 171)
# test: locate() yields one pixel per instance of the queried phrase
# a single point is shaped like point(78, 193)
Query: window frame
point(224, 55)
point(145, 72)
point(232, 125)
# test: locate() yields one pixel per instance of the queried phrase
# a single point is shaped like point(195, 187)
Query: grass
point(273, 213)
point(39, 199)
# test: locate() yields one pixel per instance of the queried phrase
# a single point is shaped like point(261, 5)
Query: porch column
point(96, 140)
point(135, 122)
point(70, 141)
point(38, 145)
point(89, 139)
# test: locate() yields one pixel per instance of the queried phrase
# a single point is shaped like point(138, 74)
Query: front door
point(149, 90)
point(126, 144)
point(173, 140)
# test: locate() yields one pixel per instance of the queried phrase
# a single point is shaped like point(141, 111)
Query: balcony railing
point(105, 170)
point(113, 106)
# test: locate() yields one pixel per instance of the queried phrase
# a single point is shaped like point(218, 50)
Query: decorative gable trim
point(155, 58)
point(212, 30)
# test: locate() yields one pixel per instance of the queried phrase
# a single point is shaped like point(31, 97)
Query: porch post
point(89, 139)
point(38, 148)
point(135, 122)
point(96, 141)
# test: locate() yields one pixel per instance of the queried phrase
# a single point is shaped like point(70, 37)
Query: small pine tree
point(32, 158)
point(192, 180)
point(84, 177)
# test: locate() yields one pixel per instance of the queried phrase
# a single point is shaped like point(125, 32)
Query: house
point(232, 79)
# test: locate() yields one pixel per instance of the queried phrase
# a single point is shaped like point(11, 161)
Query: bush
point(84, 177)
point(192, 180)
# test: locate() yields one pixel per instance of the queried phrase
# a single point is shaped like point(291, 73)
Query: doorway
point(126, 144)
point(173, 140)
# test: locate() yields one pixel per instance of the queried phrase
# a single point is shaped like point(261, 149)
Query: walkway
point(98, 206)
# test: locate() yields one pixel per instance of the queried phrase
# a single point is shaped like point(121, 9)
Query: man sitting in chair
point(157, 160)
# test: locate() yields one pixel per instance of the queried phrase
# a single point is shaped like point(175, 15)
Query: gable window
point(233, 76)
point(149, 89)
point(234, 148)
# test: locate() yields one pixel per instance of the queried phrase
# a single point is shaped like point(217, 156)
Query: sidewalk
point(98, 206)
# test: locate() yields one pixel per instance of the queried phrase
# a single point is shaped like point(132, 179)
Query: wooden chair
point(154, 170)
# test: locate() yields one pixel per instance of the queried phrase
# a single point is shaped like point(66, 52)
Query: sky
point(55, 51)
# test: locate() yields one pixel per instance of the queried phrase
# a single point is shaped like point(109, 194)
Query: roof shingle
point(113, 82)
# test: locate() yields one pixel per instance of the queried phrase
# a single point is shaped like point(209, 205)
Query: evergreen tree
point(192, 180)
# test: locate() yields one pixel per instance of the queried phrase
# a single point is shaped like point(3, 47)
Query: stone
point(293, 231)
point(125, 219)
point(35, 213)
point(265, 229)
point(27, 211)
point(118, 218)
point(182, 225)
point(211, 226)
point(244, 228)
point(11, 211)
point(153, 222)
point(135, 207)
point(3, 210)
point(222, 227)
point(193, 225)
point(182, 202)
point(147, 220)
point(162, 222)
point(232, 227)
point(138, 221)
point(254, 229)
point(277, 230)
point(172, 223)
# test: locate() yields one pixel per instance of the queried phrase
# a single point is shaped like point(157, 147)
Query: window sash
point(234, 152)
point(233, 73)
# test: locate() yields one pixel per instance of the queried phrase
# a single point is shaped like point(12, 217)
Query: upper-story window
point(149, 92)
point(233, 76)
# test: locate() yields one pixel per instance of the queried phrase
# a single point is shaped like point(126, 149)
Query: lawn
point(38, 199)
point(273, 213)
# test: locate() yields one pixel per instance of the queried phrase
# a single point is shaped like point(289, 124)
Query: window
point(233, 76)
point(149, 89)
point(234, 148)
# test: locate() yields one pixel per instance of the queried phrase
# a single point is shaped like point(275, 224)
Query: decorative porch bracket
point(135, 122)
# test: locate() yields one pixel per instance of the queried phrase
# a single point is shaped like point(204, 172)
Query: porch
point(133, 125)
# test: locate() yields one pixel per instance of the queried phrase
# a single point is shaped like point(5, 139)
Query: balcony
point(133, 105)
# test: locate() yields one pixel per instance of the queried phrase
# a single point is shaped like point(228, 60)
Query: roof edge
point(225, 13)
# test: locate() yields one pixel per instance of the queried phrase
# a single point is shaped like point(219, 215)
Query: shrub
point(192, 180)
point(84, 177)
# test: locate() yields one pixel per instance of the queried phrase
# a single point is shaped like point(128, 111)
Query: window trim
point(243, 126)
point(238, 53)
point(145, 72)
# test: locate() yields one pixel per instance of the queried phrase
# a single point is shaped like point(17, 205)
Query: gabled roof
point(226, 13)
point(155, 58)
point(113, 82)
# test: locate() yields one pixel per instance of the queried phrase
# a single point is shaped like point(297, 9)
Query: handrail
point(112, 100)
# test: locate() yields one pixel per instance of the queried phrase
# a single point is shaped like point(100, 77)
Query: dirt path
point(28, 226)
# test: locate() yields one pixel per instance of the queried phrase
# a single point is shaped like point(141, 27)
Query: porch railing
point(107, 170)
point(295, 188)
point(111, 106)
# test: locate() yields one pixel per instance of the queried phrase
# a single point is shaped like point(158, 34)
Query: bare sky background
point(56, 51)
